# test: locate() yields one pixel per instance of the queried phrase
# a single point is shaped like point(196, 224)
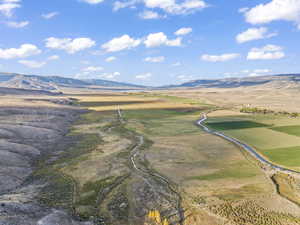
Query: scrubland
point(150, 163)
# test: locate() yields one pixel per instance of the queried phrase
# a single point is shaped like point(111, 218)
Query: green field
point(292, 130)
point(276, 137)
point(232, 125)
point(284, 156)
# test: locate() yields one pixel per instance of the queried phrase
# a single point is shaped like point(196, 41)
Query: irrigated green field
point(277, 137)
point(232, 125)
point(292, 130)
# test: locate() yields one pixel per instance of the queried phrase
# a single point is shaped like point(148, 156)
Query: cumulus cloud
point(110, 76)
point(14, 24)
point(183, 31)
point(158, 39)
point(184, 78)
point(266, 52)
point(150, 15)
point(92, 2)
point(220, 58)
point(173, 7)
point(259, 72)
point(70, 45)
point(143, 76)
point(155, 59)
point(7, 7)
point(91, 69)
point(53, 57)
point(262, 71)
point(110, 59)
point(23, 51)
point(32, 63)
point(168, 6)
point(121, 43)
point(50, 15)
point(288, 10)
point(254, 34)
point(124, 4)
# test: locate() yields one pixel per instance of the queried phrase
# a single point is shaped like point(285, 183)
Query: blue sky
point(151, 42)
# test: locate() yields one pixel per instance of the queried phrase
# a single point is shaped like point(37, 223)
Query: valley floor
point(140, 158)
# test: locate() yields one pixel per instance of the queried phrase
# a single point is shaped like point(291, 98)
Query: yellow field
point(136, 102)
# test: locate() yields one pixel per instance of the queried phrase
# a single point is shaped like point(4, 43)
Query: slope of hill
point(52, 83)
point(275, 81)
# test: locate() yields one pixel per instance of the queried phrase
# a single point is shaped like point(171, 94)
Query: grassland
point(213, 177)
point(287, 186)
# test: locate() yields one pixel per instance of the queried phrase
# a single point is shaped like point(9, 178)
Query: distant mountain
point(54, 83)
point(272, 81)
point(17, 91)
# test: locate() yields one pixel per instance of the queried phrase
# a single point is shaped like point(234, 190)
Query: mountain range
point(56, 83)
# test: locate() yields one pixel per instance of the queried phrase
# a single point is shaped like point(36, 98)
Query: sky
point(150, 42)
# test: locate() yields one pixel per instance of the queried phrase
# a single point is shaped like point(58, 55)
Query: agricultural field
point(207, 172)
point(139, 158)
point(274, 136)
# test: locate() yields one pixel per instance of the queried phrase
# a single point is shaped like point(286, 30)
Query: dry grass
point(269, 98)
point(288, 187)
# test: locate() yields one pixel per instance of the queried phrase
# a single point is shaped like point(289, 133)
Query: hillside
point(54, 83)
point(274, 81)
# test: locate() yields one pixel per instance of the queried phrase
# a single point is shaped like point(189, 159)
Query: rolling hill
point(271, 81)
point(55, 83)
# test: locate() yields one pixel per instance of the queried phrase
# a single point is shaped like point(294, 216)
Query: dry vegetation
point(178, 168)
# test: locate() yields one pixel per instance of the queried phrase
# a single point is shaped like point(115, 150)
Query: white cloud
point(254, 34)
point(110, 76)
point(23, 51)
point(172, 7)
point(50, 15)
point(93, 2)
point(158, 39)
point(53, 57)
point(220, 58)
point(150, 15)
point(266, 52)
point(262, 71)
point(143, 76)
point(183, 31)
point(32, 64)
point(245, 71)
point(7, 7)
point(110, 59)
point(184, 78)
point(168, 6)
point(121, 43)
point(155, 59)
point(70, 45)
point(91, 69)
point(14, 24)
point(124, 4)
point(288, 10)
